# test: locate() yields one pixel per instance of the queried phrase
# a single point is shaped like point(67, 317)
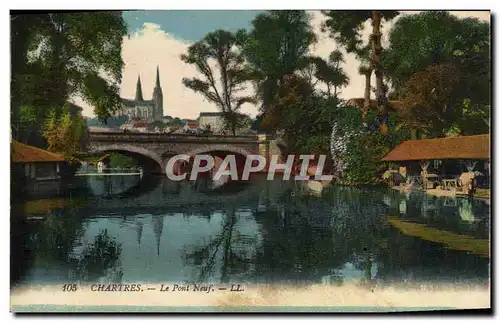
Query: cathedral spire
point(157, 76)
point(138, 90)
point(158, 97)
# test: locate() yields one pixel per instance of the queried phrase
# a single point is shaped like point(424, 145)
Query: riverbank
point(481, 194)
point(350, 297)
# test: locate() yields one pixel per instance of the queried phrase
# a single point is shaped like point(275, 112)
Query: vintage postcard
point(250, 161)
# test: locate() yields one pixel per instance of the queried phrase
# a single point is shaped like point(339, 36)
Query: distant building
point(151, 110)
point(213, 120)
point(32, 163)
point(191, 126)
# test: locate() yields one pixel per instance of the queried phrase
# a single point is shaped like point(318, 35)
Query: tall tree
point(59, 55)
point(303, 117)
point(346, 28)
point(432, 46)
point(330, 72)
point(219, 47)
point(277, 45)
point(437, 37)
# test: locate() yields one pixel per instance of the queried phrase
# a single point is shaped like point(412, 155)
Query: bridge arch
point(149, 159)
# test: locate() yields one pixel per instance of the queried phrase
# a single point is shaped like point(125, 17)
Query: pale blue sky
point(190, 25)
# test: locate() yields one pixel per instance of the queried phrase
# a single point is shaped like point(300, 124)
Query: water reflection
point(97, 261)
point(155, 230)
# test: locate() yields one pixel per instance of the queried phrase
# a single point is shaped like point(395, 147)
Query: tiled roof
point(475, 147)
point(359, 102)
point(192, 125)
point(140, 123)
point(22, 153)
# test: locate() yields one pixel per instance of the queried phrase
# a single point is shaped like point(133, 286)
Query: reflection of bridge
point(156, 195)
point(154, 150)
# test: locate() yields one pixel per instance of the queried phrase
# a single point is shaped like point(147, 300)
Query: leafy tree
point(357, 149)
point(243, 121)
point(277, 46)
point(437, 37)
point(330, 72)
point(302, 117)
point(219, 47)
point(156, 124)
point(59, 55)
point(427, 49)
point(174, 124)
point(65, 134)
point(246, 121)
point(434, 103)
point(346, 28)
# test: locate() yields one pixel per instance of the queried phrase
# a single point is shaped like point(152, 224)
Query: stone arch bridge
point(153, 150)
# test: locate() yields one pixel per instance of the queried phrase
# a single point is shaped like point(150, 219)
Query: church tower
point(138, 90)
point(158, 98)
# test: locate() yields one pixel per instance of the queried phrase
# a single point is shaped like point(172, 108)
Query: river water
point(127, 229)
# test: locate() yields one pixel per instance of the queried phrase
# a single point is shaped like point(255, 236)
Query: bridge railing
point(128, 136)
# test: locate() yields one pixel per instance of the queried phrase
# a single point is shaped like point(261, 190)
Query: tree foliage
point(59, 55)
point(330, 72)
point(219, 47)
point(357, 149)
point(437, 37)
point(65, 134)
point(303, 118)
point(434, 103)
point(346, 28)
point(440, 66)
point(276, 46)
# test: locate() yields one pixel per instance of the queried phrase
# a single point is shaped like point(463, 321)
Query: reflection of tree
point(57, 236)
point(223, 247)
point(99, 259)
point(319, 235)
point(49, 241)
point(360, 227)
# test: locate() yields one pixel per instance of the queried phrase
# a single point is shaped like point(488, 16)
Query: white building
point(213, 120)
